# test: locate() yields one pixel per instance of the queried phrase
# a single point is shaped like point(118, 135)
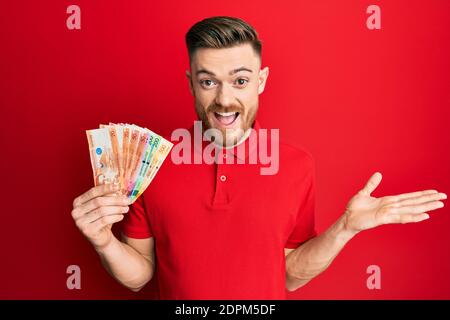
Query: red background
point(359, 100)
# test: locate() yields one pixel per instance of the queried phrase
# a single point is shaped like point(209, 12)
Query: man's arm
point(130, 262)
point(315, 255)
point(363, 212)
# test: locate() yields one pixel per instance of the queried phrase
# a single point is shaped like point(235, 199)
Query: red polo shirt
point(220, 229)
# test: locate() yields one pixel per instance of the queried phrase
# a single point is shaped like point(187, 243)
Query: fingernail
point(444, 196)
point(427, 216)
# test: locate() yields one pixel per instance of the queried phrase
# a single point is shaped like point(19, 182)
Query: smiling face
point(226, 83)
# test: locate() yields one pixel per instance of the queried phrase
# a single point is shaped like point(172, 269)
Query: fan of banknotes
point(126, 154)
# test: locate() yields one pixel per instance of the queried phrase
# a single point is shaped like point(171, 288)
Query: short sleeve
point(136, 223)
point(304, 228)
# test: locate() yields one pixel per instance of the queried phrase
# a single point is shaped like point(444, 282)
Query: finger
point(421, 199)
point(101, 212)
point(114, 194)
point(372, 183)
point(94, 192)
point(106, 221)
point(406, 218)
point(98, 202)
point(415, 209)
point(411, 195)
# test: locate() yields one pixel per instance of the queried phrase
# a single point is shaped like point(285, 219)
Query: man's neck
point(241, 140)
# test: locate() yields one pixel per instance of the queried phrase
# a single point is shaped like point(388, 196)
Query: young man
point(225, 231)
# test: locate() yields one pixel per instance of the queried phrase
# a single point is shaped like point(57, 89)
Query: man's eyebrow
point(204, 71)
point(231, 72)
point(240, 69)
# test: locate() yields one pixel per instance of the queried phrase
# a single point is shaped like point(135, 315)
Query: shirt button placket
point(220, 197)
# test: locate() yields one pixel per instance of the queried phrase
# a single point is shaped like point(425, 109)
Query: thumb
point(372, 184)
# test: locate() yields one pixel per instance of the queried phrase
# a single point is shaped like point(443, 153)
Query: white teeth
point(226, 114)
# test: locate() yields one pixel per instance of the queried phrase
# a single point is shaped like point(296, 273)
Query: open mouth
point(226, 118)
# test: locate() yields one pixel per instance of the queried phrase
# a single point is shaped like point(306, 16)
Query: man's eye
point(207, 83)
point(241, 82)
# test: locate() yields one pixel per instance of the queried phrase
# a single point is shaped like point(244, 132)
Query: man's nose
point(224, 96)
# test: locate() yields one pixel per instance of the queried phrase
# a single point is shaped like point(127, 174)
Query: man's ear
point(262, 79)
point(188, 75)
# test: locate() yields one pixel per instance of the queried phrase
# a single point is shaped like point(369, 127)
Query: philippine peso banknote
point(126, 154)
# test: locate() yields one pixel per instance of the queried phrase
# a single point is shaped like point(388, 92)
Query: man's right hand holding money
point(131, 262)
point(96, 210)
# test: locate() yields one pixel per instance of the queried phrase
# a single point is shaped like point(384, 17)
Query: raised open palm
point(365, 212)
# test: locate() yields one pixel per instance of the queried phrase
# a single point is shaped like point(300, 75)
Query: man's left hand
point(365, 212)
